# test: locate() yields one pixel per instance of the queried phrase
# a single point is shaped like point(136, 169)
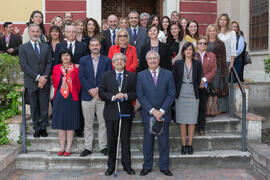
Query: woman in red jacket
point(122, 45)
point(66, 104)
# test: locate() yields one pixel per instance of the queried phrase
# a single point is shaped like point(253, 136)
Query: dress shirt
point(122, 77)
point(137, 30)
point(157, 73)
point(95, 64)
point(7, 39)
point(33, 45)
point(111, 31)
point(73, 46)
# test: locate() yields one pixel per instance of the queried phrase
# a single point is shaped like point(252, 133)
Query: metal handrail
point(23, 123)
point(244, 107)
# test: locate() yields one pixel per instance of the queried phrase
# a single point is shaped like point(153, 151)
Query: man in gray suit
point(36, 63)
point(137, 34)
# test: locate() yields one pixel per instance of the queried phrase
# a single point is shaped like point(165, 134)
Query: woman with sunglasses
point(122, 45)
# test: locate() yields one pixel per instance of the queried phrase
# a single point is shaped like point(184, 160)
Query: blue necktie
point(119, 79)
point(134, 34)
point(36, 49)
point(70, 47)
point(113, 37)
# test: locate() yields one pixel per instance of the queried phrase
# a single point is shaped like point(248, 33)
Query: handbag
point(222, 91)
point(246, 58)
point(210, 90)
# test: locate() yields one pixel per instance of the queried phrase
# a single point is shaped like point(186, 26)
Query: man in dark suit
point(109, 34)
point(77, 48)
point(118, 85)
point(10, 42)
point(36, 63)
point(91, 68)
point(137, 34)
point(155, 92)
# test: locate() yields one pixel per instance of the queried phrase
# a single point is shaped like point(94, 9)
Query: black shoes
point(85, 153)
point(144, 172)
point(184, 150)
point(129, 171)
point(166, 172)
point(109, 171)
point(36, 134)
point(104, 151)
point(190, 149)
point(79, 133)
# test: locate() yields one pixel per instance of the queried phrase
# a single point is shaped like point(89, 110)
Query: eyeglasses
point(202, 43)
point(123, 36)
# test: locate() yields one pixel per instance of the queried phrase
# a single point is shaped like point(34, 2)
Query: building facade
point(253, 16)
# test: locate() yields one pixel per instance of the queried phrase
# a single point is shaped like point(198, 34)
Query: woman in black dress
point(66, 109)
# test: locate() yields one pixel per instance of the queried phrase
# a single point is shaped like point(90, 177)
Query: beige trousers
point(89, 108)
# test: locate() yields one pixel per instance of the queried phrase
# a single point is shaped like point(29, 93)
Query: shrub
point(267, 65)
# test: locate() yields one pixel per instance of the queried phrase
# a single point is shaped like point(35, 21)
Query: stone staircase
point(220, 147)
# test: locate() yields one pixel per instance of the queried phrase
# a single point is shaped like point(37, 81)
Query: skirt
point(186, 110)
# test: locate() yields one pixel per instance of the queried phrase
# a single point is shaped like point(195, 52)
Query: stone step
point(221, 123)
point(200, 159)
point(211, 141)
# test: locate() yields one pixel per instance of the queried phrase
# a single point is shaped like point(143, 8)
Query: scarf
point(66, 86)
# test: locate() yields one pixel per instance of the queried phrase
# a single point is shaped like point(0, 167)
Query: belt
point(187, 82)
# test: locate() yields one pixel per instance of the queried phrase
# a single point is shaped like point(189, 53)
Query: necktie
point(36, 49)
point(70, 47)
point(119, 79)
point(155, 77)
point(134, 34)
point(113, 37)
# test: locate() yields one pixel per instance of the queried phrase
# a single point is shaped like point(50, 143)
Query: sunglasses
point(202, 43)
point(123, 36)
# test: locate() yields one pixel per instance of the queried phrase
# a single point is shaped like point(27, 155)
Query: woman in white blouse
point(228, 37)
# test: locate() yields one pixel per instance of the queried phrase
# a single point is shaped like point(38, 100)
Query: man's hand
point(40, 85)
point(16, 29)
point(10, 50)
point(93, 92)
point(42, 80)
point(120, 96)
point(157, 114)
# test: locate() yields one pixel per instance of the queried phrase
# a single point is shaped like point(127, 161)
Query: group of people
point(162, 66)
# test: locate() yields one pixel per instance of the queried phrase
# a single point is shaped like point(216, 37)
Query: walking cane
point(119, 133)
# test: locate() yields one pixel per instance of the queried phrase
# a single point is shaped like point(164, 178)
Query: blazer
point(220, 52)
point(56, 77)
point(14, 42)
point(109, 87)
point(132, 61)
point(32, 65)
point(209, 65)
point(160, 96)
point(80, 51)
point(106, 43)
point(87, 77)
point(178, 73)
point(141, 39)
point(163, 51)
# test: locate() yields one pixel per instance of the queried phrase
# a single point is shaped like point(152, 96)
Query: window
point(259, 10)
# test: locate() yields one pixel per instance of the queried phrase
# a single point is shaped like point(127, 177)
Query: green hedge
point(9, 94)
point(267, 65)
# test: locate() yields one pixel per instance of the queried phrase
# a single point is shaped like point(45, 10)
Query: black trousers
point(39, 104)
point(202, 109)
point(112, 127)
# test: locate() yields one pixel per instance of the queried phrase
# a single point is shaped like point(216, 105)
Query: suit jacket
point(178, 73)
point(209, 65)
point(80, 51)
point(163, 51)
point(132, 60)
point(14, 42)
point(160, 96)
point(56, 77)
point(106, 42)
point(32, 65)
point(87, 77)
point(141, 39)
point(109, 87)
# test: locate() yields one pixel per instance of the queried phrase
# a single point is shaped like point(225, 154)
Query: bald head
point(112, 21)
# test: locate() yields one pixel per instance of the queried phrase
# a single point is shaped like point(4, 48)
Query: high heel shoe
point(184, 150)
point(60, 153)
point(190, 149)
point(67, 153)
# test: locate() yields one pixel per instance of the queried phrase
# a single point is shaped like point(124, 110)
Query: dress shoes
point(36, 134)
point(43, 133)
point(104, 151)
point(85, 153)
point(109, 171)
point(60, 153)
point(184, 150)
point(202, 133)
point(129, 171)
point(144, 172)
point(166, 172)
point(67, 153)
point(79, 133)
point(190, 149)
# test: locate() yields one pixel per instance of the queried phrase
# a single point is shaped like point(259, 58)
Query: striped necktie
point(36, 50)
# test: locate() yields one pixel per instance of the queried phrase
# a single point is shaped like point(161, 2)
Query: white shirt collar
point(111, 30)
point(137, 27)
point(157, 70)
point(73, 42)
point(118, 71)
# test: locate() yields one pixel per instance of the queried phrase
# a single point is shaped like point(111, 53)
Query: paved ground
point(186, 174)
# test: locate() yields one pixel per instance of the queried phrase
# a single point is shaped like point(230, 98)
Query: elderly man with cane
point(118, 87)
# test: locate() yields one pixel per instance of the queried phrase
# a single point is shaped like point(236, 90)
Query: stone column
point(94, 9)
